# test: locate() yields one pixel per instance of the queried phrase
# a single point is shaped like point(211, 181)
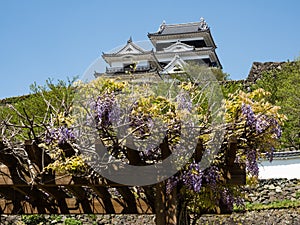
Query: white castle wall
point(280, 168)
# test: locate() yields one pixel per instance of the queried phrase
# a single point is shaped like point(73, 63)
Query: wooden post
point(160, 204)
point(171, 210)
point(199, 151)
point(165, 206)
point(231, 153)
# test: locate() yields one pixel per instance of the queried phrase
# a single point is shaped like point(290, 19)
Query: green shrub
point(55, 219)
point(34, 219)
point(71, 221)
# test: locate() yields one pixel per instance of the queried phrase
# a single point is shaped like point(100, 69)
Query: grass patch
point(273, 205)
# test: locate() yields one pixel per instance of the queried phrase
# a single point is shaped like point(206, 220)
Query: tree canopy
point(284, 86)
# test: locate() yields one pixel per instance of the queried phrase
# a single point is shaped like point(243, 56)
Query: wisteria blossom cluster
point(251, 163)
point(184, 102)
point(260, 123)
point(212, 176)
point(103, 108)
point(193, 177)
point(62, 135)
point(229, 198)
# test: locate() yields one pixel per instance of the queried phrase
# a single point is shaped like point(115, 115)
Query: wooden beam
point(95, 204)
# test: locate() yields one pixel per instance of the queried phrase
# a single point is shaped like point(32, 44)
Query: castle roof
point(182, 28)
point(176, 64)
point(129, 48)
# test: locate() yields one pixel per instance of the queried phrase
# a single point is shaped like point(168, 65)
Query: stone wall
point(274, 190)
point(88, 220)
point(266, 192)
point(258, 68)
point(268, 217)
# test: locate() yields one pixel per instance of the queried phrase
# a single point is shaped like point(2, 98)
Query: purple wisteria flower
point(260, 123)
point(276, 128)
point(50, 136)
point(192, 178)
point(65, 135)
point(251, 163)
point(61, 134)
point(103, 109)
point(211, 176)
point(171, 183)
point(184, 101)
point(228, 199)
point(248, 112)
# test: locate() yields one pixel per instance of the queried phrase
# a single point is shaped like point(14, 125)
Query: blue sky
point(59, 39)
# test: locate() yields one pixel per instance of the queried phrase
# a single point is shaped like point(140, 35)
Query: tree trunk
point(172, 209)
point(166, 206)
point(160, 206)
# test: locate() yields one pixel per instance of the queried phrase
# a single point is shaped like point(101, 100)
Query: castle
point(173, 46)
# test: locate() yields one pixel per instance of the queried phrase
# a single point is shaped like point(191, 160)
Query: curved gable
point(179, 47)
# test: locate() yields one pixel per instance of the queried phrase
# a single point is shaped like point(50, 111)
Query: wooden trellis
point(66, 194)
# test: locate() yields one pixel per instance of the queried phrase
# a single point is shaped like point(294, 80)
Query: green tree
point(219, 74)
point(33, 110)
point(284, 87)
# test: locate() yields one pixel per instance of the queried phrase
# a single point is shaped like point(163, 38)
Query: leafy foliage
point(273, 205)
point(253, 121)
point(71, 221)
point(33, 111)
point(51, 119)
point(34, 219)
point(284, 86)
point(219, 74)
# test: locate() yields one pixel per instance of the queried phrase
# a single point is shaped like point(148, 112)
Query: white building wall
point(139, 63)
point(192, 56)
point(117, 64)
point(143, 63)
point(280, 168)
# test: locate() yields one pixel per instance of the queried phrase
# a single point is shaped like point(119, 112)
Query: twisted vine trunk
point(166, 206)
